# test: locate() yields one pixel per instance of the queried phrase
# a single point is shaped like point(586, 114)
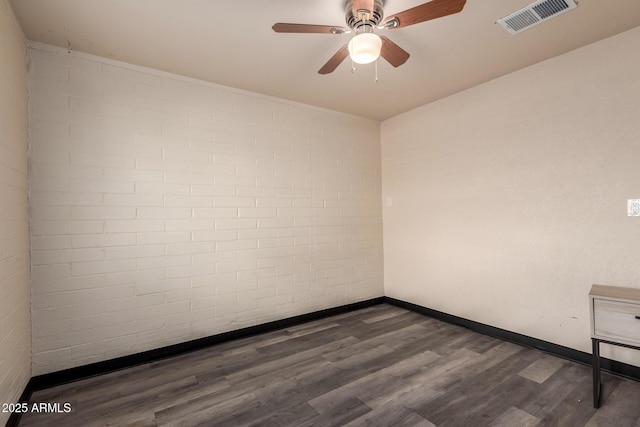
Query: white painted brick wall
point(15, 326)
point(167, 209)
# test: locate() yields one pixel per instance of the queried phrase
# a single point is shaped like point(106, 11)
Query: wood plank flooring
point(380, 366)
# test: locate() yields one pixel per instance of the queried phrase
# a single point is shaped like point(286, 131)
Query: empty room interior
point(360, 212)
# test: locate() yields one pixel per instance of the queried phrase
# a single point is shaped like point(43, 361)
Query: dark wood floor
point(379, 366)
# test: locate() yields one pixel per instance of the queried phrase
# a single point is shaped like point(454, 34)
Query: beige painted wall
point(166, 209)
point(509, 199)
point(15, 326)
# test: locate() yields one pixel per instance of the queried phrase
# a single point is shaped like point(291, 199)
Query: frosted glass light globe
point(365, 48)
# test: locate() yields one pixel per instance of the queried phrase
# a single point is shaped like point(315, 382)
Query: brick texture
point(166, 209)
point(15, 327)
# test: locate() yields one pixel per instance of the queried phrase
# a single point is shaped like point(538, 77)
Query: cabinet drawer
point(616, 320)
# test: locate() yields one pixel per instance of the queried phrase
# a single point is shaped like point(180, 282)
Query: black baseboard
point(40, 382)
point(608, 365)
point(53, 379)
point(15, 417)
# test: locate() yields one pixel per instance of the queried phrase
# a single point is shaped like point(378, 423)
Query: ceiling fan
point(362, 17)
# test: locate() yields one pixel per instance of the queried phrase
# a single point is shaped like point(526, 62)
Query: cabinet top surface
point(615, 292)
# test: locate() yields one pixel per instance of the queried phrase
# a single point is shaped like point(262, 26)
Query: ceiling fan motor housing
point(364, 21)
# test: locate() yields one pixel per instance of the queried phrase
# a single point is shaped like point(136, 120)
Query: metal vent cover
point(534, 14)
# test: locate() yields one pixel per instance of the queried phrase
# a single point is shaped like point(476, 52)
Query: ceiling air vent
point(534, 14)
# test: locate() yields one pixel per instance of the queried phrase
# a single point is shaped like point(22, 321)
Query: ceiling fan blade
point(335, 60)
point(283, 27)
point(427, 11)
point(394, 54)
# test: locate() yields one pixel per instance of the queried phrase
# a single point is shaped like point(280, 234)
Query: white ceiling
point(230, 42)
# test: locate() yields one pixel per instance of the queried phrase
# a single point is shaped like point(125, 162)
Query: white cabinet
point(615, 319)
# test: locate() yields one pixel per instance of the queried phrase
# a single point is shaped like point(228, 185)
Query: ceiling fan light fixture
point(365, 48)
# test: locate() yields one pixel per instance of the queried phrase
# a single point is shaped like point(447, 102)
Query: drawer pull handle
point(638, 317)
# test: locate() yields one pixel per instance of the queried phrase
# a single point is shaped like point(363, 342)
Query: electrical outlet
point(389, 201)
point(633, 207)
